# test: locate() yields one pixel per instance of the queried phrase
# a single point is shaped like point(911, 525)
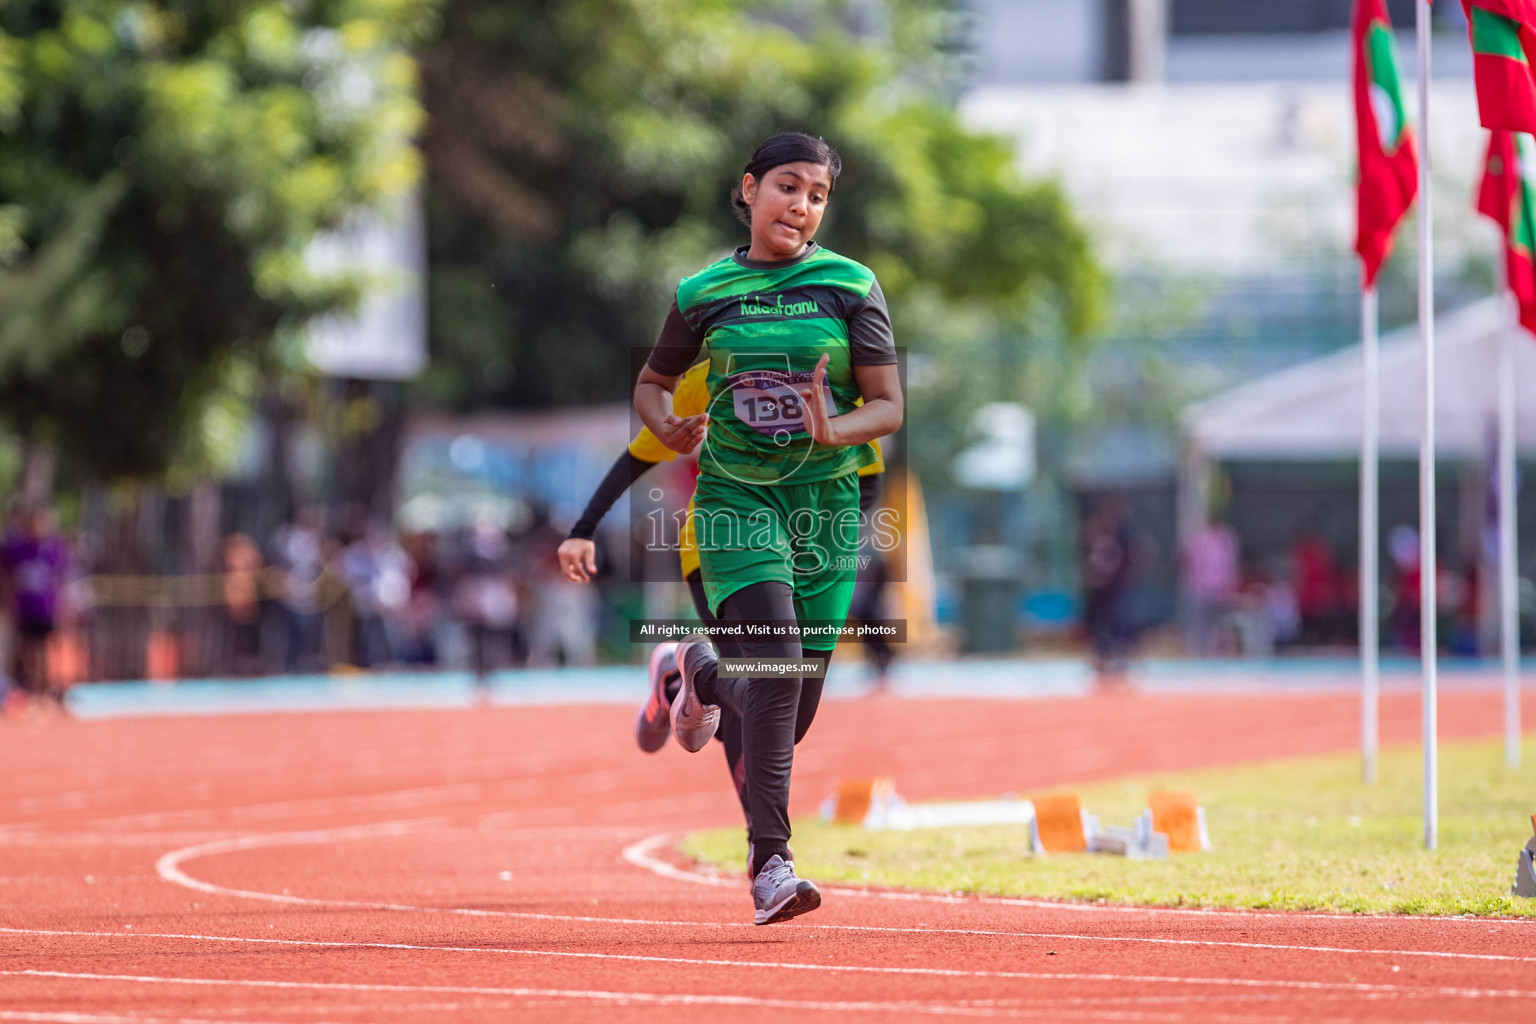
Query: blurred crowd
point(1234, 603)
point(305, 599)
point(1310, 598)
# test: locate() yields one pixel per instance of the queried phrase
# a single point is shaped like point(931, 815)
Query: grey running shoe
point(653, 722)
point(779, 895)
point(693, 721)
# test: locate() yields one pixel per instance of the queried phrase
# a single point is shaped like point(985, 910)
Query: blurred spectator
point(377, 573)
point(563, 630)
point(1461, 592)
point(1210, 583)
point(1280, 608)
point(35, 561)
point(1108, 568)
point(298, 552)
point(1317, 586)
point(242, 603)
point(338, 624)
point(423, 612)
point(1403, 546)
point(483, 597)
point(392, 588)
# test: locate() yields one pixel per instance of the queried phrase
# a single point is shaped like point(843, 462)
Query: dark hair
point(785, 148)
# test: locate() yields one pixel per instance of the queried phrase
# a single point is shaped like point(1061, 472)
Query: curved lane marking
point(643, 855)
point(169, 869)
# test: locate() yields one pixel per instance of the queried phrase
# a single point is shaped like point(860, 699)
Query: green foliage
point(581, 153)
point(163, 166)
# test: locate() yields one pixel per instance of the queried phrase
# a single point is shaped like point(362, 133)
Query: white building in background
point(1239, 156)
point(1250, 177)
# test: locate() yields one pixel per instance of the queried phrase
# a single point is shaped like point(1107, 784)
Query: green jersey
point(766, 325)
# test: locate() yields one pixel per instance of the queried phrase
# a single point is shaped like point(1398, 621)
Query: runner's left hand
point(817, 423)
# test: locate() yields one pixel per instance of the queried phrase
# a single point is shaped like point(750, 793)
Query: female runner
point(796, 336)
point(577, 555)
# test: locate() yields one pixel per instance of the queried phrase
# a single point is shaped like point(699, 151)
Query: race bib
point(770, 402)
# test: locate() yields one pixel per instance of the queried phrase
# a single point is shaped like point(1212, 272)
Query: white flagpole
point(1509, 631)
point(1370, 648)
point(1428, 576)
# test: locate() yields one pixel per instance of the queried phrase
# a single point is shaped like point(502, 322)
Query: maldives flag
point(1389, 163)
point(1503, 43)
point(1507, 196)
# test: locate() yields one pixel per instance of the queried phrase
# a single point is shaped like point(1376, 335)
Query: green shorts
point(804, 535)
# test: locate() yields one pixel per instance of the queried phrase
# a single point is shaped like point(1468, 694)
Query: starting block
point(1525, 867)
point(875, 804)
point(1172, 822)
point(1061, 825)
point(857, 801)
point(1139, 842)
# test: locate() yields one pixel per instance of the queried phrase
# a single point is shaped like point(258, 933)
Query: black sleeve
point(677, 347)
point(870, 338)
point(625, 471)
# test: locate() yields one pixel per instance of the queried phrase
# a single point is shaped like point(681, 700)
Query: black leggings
point(774, 713)
point(729, 732)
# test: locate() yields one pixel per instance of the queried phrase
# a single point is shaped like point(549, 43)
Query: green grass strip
point(1302, 834)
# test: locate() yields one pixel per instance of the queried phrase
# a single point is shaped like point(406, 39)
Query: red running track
point(471, 865)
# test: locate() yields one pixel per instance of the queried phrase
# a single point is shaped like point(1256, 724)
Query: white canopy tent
point(1313, 411)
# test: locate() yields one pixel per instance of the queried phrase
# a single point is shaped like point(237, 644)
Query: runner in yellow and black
point(796, 336)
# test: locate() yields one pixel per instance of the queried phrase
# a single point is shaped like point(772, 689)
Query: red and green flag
point(1503, 47)
point(1507, 196)
point(1389, 163)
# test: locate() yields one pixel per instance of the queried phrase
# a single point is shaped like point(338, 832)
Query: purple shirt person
point(35, 559)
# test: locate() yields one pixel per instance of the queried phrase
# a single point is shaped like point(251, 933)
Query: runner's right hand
point(578, 559)
point(683, 433)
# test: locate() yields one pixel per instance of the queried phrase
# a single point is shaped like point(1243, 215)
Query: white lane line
point(169, 865)
point(642, 854)
point(393, 800)
point(589, 995)
point(940, 972)
point(1020, 1008)
point(503, 950)
point(169, 868)
point(1338, 987)
point(69, 1017)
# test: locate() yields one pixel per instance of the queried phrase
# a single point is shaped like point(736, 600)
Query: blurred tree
point(163, 166)
point(580, 154)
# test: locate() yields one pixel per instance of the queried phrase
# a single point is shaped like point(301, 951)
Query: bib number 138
point(775, 408)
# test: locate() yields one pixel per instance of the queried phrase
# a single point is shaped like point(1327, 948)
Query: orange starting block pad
point(1179, 816)
point(1525, 867)
point(1061, 825)
point(855, 799)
